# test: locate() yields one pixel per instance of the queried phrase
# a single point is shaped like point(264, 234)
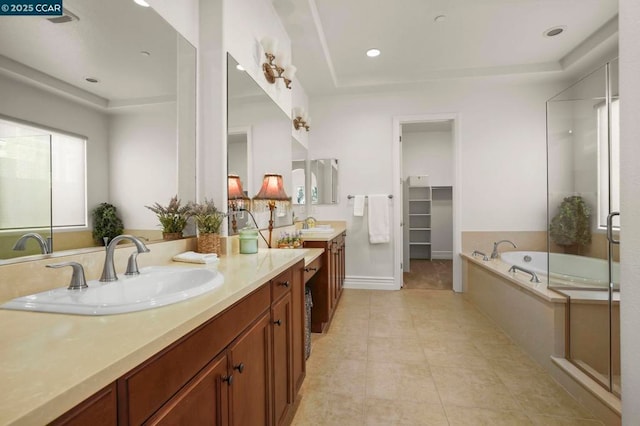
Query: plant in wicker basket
point(173, 218)
point(208, 220)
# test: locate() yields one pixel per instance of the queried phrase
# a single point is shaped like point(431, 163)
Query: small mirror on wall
point(323, 184)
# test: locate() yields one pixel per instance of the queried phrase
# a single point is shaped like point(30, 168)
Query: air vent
point(65, 17)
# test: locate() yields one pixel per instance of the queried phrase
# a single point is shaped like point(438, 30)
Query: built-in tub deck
point(536, 318)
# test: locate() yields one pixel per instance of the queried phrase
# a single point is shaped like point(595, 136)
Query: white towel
point(193, 257)
point(378, 219)
point(358, 205)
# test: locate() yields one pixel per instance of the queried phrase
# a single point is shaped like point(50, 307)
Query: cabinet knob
point(285, 284)
point(239, 367)
point(228, 379)
point(278, 322)
point(310, 269)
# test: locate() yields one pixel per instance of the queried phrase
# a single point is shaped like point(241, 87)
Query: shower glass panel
point(583, 192)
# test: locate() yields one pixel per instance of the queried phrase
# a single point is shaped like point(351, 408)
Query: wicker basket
point(208, 243)
point(168, 236)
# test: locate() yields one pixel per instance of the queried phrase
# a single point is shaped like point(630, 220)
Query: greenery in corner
point(106, 223)
point(207, 217)
point(173, 218)
point(571, 226)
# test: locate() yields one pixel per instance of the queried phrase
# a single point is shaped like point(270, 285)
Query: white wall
point(183, 15)
point(502, 127)
point(143, 168)
point(630, 208)
point(428, 153)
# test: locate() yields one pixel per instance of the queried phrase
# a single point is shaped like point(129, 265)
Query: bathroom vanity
point(231, 356)
point(326, 285)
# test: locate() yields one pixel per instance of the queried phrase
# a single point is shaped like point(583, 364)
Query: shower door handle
point(610, 217)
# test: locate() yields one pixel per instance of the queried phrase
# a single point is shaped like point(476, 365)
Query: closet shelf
point(419, 199)
point(419, 229)
point(419, 214)
point(412, 243)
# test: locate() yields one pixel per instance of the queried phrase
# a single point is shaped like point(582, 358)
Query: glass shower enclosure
point(583, 220)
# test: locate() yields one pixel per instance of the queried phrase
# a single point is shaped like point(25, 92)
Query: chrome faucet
point(109, 270)
point(45, 245)
point(309, 222)
point(479, 253)
point(494, 253)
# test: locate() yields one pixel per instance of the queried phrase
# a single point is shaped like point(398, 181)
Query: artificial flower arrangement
point(290, 240)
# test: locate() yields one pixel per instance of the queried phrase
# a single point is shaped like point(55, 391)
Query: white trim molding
point(369, 283)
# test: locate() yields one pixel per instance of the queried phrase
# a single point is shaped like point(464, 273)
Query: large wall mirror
point(93, 110)
point(258, 142)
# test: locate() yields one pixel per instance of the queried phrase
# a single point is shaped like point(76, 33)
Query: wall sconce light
point(272, 192)
point(272, 70)
point(301, 119)
point(236, 198)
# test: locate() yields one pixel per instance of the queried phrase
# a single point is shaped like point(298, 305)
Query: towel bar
point(366, 196)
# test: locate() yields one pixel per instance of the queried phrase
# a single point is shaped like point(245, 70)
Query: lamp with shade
point(272, 193)
point(236, 197)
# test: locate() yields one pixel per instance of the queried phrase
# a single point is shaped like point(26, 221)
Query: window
point(42, 177)
point(608, 164)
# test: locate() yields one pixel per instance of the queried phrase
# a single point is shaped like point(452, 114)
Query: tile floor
point(429, 275)
point(425, 357)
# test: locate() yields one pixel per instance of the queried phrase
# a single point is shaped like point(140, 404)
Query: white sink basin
point(317, 230)
point(154, 287)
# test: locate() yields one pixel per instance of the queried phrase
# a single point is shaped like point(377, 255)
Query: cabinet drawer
point(281, 284)
point(310, 271)
point(143, 390)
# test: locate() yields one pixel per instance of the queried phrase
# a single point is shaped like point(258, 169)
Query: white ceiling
point(478, 38)
point(104, 43)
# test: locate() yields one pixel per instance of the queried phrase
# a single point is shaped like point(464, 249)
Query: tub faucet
point(479, 253)
point(494, 253)
point(45, 245)
point(109, 270)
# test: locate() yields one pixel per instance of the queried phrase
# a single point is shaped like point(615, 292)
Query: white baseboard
point(369, 283)
point(445, 255)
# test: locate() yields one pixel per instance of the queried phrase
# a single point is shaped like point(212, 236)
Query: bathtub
point(566, 269)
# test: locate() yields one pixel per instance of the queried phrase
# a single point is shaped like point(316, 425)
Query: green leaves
point(207, 217)
point(571, 226)
point(173, 218)
point(106, 223)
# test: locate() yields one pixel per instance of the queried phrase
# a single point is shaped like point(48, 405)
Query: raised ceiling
point(477, 38)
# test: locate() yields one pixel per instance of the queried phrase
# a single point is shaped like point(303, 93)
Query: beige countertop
point(51, 362)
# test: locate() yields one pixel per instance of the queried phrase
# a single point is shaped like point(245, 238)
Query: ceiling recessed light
point(91, 79)
point(239, 67)
point(440, 18)
point(555, 31)
point(372, 53)
point(145, 53)
point(141, 3)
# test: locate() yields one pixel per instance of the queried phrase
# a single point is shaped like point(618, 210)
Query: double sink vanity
point(233, 355)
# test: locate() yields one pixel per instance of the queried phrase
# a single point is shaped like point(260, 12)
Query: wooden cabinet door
point(203, 401)
point(282, 358)
point(250, 372)
point(99, 409)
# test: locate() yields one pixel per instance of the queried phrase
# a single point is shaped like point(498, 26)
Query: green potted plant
point(106, 223)
point(571, 227)
point(173, 218)
point(208, 220)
